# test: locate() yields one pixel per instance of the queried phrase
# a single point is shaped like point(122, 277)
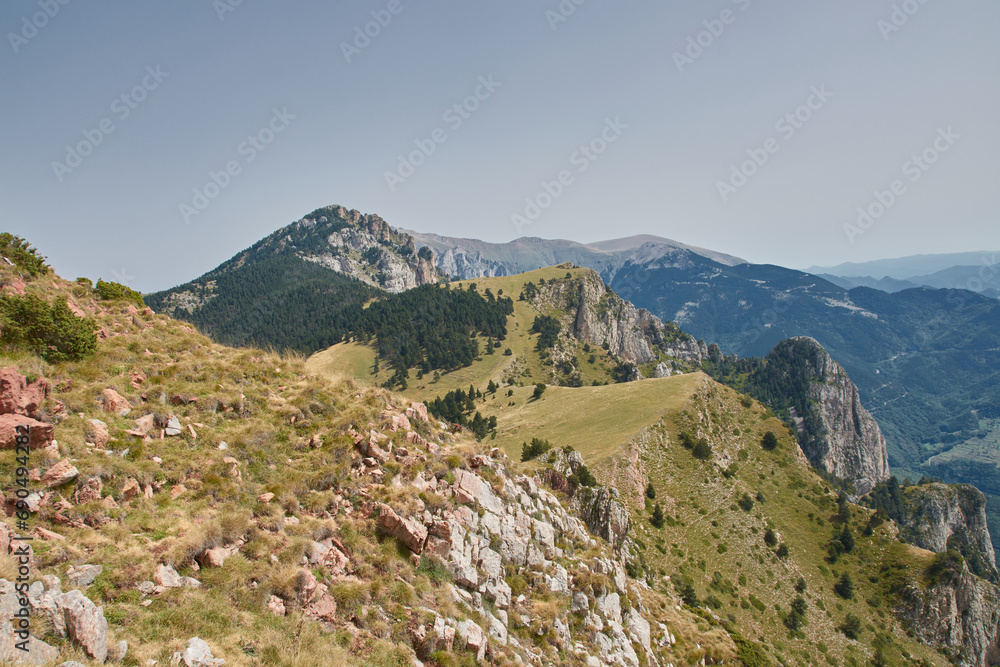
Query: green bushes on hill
point(24, 256)
point(51, 331)
point(117, 292)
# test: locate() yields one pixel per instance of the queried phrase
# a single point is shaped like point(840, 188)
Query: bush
point(52, 332)
point(800, 585)
point(118, 292)
point(650, 491)
point(945, 567)
point(745, 502)
point(657, 519)
point(844, 587)
point(535, 449)
point(24, 256)
point(769, 441)
point(770, 539)
point(539, 390)
point(782, 551)
point(702, 450)
point(851, 627)
point(582, 477)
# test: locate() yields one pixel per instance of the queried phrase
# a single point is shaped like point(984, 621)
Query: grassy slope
point(628, 435)
point(357, 360)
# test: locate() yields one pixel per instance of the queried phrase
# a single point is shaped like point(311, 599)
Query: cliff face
point(368, 249)
point(961, 614)
point(853, 447)
point(939, 516)
point(600, 317)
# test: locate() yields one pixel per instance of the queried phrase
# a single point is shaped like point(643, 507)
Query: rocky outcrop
point(852, 446)
point(600, 317)
point(600, 508)
point(961, 614)
point(942, 516)
point(20, 397)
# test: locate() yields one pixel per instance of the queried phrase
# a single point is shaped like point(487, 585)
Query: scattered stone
point(18, 396)
point(173, 427)
point(166, 576)
point(119, 652)
point(412, 533)
point(223, 445)
point(276, 605)
point(85, 624)
point(197, 654)
point(265, 497)
point(115, 403)
point(82, 576)
point(39, 433)
point(177, 490)
point(59, 474)
point(89, 491)
point(97, 433)
point(49, 535)
point(131, 489)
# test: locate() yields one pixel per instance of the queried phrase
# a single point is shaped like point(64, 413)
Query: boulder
point(166, 576)
point(59, 474)
point(85, 624)
point(82, 576)
point(131, 489)
point(97, 433)
point(411, 533)
point(38, 653)
point(173, 427)
point(115, 403)
point(18, 396)
point(88, 491)
point(145, 424)
point(198, 654)
point(324, 609)
point(473, 637)
point(39, 433)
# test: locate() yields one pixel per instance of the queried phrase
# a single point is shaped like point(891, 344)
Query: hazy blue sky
point(200, 77)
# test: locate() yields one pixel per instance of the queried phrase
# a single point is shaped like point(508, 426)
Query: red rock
point(324, 609)
point(137, 378)
point(49, 535)
point(421, 411)
point(59, 474)
point(13, 285)
point(115, 403)
point(39, 433)
point(97, 433)
point(89, 491)
point(276, 606)
point(131, 489)
point(145, 424)
point(400, 423)
point(20, 397)
point(410, 532)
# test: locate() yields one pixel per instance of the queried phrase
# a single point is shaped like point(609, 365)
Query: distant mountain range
point(975, 271)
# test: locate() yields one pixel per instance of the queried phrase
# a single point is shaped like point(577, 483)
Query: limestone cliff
point(941, 516)
point(961, 613)
point(852, 446)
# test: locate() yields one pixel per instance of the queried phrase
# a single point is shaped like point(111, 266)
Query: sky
point(147, 142)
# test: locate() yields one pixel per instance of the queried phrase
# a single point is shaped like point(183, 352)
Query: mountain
point(886, 284)
point(906, 268)
point(468, 258)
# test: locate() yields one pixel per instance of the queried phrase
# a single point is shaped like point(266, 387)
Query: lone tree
point(539, 390)
point(851, 627)
point(657, 518)
point(844, 587)
point(769, 441)
point(650, 491)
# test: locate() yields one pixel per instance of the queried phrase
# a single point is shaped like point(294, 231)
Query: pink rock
point(400, 423)
point(145, 424)
point(176, 490)
point(276, 606)
point(131, 489)
point(97, 433)
point(39, 433)
point(324, 609)
point(85, 624)
point(115, 403)
point(18, 396)
point(265, 497)
point(59, 474)
point(89, 491)
point(421, 411)
point(412, 533)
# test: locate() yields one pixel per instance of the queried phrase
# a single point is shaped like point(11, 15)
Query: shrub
point(52, 332)
point(657, 519)
point(844, 587)
point(702, 450)
point(944, 567)
point(769, 441)
point(770, 539)
point(782, 551)
point(535, 449)
point(24, 256)
point(582, 477)
point(117, 292)
point(800, 585)
point(745, 502)
point(650, 491)
point(539, 390)
point(851, 627)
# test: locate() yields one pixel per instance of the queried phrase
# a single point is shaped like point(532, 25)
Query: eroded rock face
point(852, 447)
point(939, 513)
point(963, 613)
point(39, 433)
